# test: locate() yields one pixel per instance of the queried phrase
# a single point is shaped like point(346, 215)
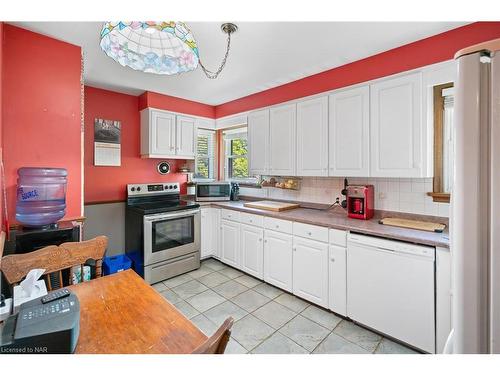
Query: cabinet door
point(216, 233)
point(310, 270)
point(230, 242)
point(162, 139)
point(282, 135)
point(206, 232)
point(258, 142)
point(337, 276)
point(185, 136)
point(349, 132)
point(252, 250)
point(312, 137)
point(396, 127)
point(278, 259)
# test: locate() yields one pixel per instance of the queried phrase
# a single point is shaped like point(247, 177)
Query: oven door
point(171, 235)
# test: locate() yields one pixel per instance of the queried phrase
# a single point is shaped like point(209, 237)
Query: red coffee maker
point(360, 201)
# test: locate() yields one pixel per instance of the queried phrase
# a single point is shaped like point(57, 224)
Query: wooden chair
point(216, 344)
point(55, 259)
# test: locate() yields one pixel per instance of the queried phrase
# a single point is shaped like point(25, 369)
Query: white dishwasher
point(390, 288)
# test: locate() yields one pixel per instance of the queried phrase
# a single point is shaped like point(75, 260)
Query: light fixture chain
point(212, 75)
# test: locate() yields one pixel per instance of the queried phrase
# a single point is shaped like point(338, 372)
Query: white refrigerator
point(475, 199)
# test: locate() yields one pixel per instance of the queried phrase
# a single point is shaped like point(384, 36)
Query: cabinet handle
point(309, 233)
point(294, 249)
point(332, 259)
point(251, 221)
point(260, 239)
point(277, 226)
point(265, 241)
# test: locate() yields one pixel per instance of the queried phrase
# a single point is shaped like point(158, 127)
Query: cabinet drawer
point(278, 225)
point(310, 231)
point(230, 215)
point(338, 237)
point(251, 219)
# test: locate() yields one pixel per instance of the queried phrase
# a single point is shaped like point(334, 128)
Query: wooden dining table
point(122, 314)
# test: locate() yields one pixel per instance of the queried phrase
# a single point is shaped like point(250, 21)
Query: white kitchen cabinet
point(278, 259)
point(337, 276)
point(185, 136)
point(282, 140)
point(349, 132)
point(443, 297)
point(312, 137)
point(396, 127)
point(252, 250)
point(230, 242)
point(258, 142)
point(207, 233)
point(166, 135)
point(310, 270)
point(216, 232)
point(157, 132)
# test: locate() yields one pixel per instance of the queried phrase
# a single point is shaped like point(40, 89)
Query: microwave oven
point(213, 191)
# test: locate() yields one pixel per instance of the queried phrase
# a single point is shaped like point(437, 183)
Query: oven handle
point(158, 217)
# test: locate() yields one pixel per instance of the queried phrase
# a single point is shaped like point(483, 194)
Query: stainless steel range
point(162, 231)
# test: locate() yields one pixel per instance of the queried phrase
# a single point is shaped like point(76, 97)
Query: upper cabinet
point(282, 136)
point(312, 137)
point(167, 135)
point(396, 127)
point(258, 142)
point(349, 132)
point(185, 130)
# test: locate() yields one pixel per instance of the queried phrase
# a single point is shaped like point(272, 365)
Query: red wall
point(172, 103)
point(103, 184)
point(427, 51)
point(41, 110)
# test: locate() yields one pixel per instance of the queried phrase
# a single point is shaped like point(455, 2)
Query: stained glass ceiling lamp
point(165, 47)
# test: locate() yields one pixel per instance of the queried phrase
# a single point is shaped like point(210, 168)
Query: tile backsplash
point(391, 194)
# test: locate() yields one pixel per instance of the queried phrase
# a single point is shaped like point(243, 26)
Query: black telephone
point(47, 324)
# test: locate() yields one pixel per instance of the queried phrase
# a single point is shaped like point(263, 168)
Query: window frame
point(250, 180)
point(438, 194)
point(200, 131)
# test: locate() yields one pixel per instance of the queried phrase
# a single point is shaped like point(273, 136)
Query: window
point(236, 151)
point(205, 155)
point(444, 153)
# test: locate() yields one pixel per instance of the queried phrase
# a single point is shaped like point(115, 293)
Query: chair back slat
point(216, 344)
point(55, 259)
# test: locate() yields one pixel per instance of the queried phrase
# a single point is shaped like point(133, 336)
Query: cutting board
point(272, 206)
point(413, 224)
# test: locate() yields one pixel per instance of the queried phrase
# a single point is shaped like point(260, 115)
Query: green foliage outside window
point(238, 163)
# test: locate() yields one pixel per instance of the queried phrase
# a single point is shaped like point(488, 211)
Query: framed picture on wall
point(107, 142)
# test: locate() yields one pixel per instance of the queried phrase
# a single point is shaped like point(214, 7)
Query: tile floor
point(267, 319)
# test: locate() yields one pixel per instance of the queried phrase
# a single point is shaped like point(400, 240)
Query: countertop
point(337, 218)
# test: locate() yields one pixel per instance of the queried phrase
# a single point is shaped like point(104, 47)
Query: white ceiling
point(263, 54)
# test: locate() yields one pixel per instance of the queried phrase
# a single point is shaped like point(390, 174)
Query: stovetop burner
point(163, 206)
point(156, 198)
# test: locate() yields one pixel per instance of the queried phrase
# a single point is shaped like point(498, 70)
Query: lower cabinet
point(207, 233)
point(216, 232)
point(310, 270)
point(252, 250)
point(278, 259)
point(337, 280)
point(230, 242)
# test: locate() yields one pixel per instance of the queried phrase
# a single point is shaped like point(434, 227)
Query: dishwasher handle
point(390, 246)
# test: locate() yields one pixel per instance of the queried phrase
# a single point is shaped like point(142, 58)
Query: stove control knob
point(171, 186)
point(138, 188)
point(132, 189)
point(166, 187)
